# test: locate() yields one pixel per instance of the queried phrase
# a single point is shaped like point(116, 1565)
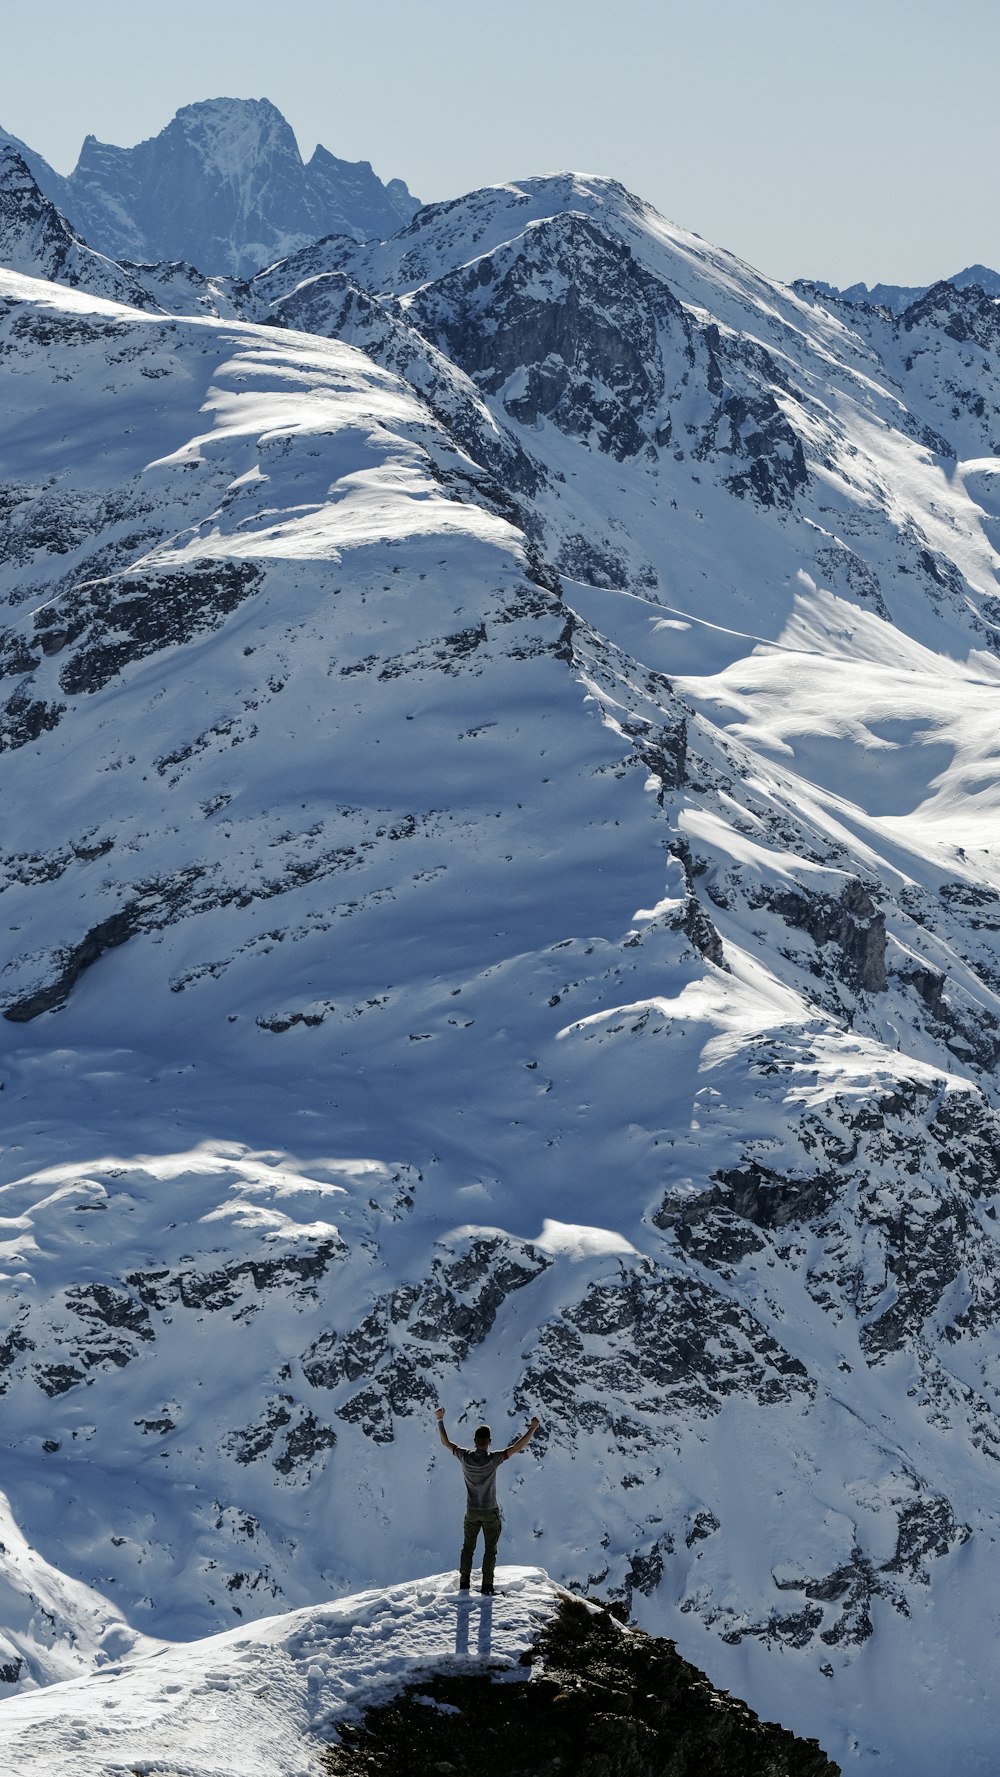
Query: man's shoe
point(463, 1585)
point(487, 1591)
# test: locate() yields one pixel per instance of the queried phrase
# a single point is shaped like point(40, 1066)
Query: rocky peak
point(229, 135)
point(222, 186)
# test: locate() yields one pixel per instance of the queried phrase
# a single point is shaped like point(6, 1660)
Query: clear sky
point(839, 139)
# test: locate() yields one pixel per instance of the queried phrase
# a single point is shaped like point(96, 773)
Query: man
point(479, 1467)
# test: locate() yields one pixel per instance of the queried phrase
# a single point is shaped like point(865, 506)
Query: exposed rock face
point(565, 324)
point(602, 1701)
point(853, 923)
point(122, 619)
point(71, 964)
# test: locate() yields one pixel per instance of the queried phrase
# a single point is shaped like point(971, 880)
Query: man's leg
point(492, 1526)
point(471, 1528)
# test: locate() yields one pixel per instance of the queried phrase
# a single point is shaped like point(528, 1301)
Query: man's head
point(482, 1437)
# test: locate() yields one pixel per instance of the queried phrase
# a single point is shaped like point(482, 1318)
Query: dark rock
point(413, 1331)
point(654, 1341)
point(304, 1441)
point(54, 1379)
point(693, 921)
point(23, 718)
point(101, 938)
point(14, 1343)
point(16, 657)
point(604, 1701)
point(297, 1272)
point(703, 1524)
point(112, 1308)
point(772, 1201)
point(853, 923)
point(123, 619)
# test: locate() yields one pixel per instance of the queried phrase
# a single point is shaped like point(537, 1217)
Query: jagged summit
point(222, 186)
point(53, 184)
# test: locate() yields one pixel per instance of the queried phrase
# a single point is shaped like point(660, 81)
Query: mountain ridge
point(336, 1678)
point(897, 297)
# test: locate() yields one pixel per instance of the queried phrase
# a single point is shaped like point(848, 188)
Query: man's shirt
point(480, 1470)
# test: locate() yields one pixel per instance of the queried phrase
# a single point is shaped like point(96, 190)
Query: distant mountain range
point(223, 186)
point(898, 297)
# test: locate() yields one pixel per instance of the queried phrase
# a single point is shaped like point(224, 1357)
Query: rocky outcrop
point(654, 1342)
point(851, 921)
point(412, 1334)
point(604, 1701)
point(70, 965)
point(110, 623)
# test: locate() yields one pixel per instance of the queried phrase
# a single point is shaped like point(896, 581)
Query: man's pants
point(491, 1524)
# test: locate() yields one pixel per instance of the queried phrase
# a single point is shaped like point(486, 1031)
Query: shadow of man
point(485, 1628)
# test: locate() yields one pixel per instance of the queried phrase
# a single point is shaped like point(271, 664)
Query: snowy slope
point(501, 908)
point(264, 1698)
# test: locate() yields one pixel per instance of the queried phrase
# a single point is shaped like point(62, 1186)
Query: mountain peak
point(223, 186)
point(233, 133)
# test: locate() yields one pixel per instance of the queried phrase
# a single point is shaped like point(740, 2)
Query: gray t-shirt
point(480, 1470)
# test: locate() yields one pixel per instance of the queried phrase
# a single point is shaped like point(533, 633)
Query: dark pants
point(490, 1523)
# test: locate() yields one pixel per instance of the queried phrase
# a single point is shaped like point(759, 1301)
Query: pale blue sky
point(842, 139)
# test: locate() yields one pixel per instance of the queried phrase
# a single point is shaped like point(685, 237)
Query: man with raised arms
point(479, 1466)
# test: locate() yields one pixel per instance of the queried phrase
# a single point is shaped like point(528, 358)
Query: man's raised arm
point(525, 1438)
point(442, 1434)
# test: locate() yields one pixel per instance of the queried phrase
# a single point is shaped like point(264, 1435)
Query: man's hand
point(534, 1423)
point(439, 1413)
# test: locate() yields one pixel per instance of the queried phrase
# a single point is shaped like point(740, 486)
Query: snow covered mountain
point(499, 752)
point(223, 186)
